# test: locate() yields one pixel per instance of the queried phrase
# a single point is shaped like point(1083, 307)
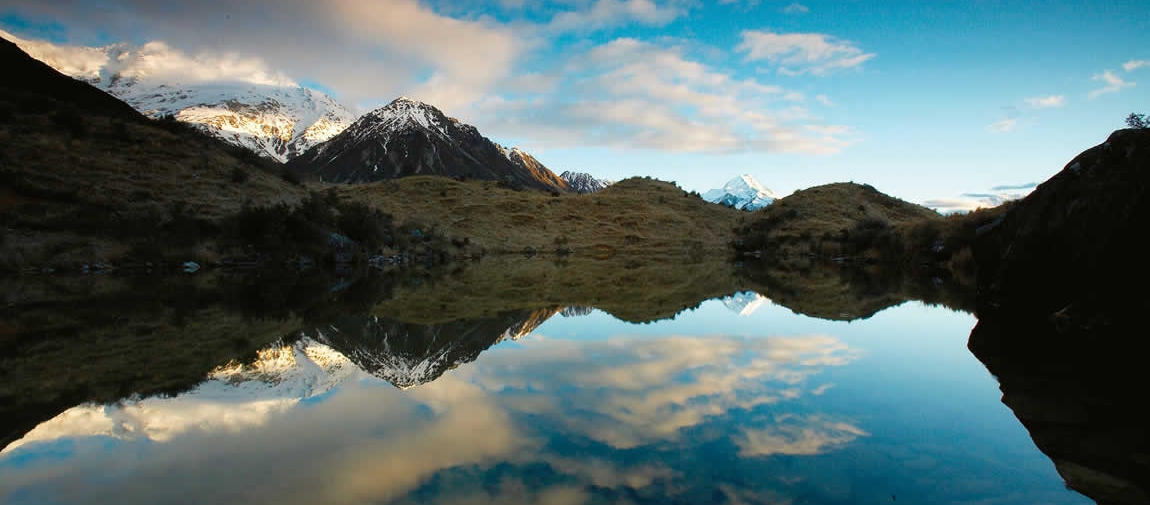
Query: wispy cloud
point(741, 3)
point(823, 99)
point(1113, 84)
point(966, 202)
point(1011, 187)
point(385, 48)
point(1043, 102)
point(611, 13)
point(796, 8)
point(801, 53)
point(1002, 126)
point(634, 94)
point(1135, 64)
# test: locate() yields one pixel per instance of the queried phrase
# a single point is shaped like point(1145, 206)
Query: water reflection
point(314, 431)
point(466, 388)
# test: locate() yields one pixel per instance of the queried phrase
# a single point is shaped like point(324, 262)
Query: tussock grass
point(852, 221)
point(635, 216)
point(821, 219)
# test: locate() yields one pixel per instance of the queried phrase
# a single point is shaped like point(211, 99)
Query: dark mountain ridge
point(407, 137)
point(33, 83)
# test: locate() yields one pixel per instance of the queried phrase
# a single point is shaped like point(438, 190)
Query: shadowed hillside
point(83, 176)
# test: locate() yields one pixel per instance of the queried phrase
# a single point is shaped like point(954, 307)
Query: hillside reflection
point(446, 386)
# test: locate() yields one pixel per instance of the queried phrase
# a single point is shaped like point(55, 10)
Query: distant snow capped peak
point(742, 192)
point(584, 182)
point(400, 115)
point(745, 303)
point(235, 99)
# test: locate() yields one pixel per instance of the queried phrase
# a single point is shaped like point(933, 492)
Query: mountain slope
point(268, 114)
point(584, 182)
point(407, 137)
point(743, 192)
point(34, 79)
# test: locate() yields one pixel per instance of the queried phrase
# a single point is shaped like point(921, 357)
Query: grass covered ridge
point(634, 216)
point(847, 221)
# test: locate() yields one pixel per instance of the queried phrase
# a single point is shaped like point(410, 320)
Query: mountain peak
point(584, 182)
point(407, 137)
point(742, 192)
point(405, 101)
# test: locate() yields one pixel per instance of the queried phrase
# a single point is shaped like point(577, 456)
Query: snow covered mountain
point(241, 104)
point(742, 192)
point(234, 396)
point(407, 137)
point(584, 182)
point(745, 303)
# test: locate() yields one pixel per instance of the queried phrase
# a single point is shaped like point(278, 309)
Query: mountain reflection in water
point(495, 400)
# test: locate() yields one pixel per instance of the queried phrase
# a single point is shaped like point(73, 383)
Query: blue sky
point(924, 100)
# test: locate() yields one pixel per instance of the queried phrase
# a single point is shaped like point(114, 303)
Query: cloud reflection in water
point(540, 421)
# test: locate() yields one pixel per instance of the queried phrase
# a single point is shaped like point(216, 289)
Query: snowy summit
point(742, 192)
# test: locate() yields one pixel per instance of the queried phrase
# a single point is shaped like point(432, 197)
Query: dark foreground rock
point(1075, 245)
point(1062, 282)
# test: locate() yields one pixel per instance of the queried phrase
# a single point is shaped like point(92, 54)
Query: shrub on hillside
point(1139, 121)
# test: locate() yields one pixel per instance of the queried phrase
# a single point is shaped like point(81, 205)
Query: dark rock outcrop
point(1073, 246)
point(1061, 280)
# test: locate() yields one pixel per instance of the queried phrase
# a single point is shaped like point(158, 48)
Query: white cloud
point(624, 93)
point(633, 94)
point(796, 8)
point(1002, 126)
point(1042, 102)
point(996, 196)
point(800, 53)
point(1132, 65)
point(823, 99)
point(1113, 84)
point(367, 52)
point(610, 13)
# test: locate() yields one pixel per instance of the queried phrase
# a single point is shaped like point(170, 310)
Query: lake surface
point(737, 400)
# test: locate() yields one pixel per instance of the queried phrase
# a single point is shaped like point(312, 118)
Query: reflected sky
point(711, 407)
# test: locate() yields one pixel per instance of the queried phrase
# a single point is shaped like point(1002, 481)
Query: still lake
point(737, 400)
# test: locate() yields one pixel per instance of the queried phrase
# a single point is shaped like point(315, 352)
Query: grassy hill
point(857, 223)
point(832, 220)
point(634, 216)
